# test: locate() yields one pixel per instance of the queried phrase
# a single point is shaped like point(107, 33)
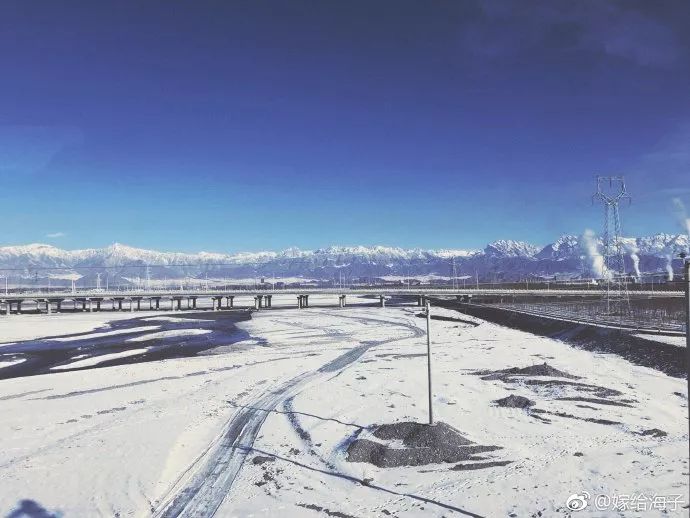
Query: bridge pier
point(19, 307)
point(268, 301)
point(179, 304)
point(230, 301)
point(59, 306)
point(382, 301)
point(8, 308)
point(49, 309)
point(257, 302)
point(341, 301)
point(90, 305)
point(119, 304)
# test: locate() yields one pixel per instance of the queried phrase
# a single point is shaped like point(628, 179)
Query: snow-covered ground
point(261, 428)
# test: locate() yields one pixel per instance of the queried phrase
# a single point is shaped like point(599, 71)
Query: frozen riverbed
point(262, 426)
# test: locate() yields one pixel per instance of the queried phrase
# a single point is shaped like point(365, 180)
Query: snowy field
point(262, 427)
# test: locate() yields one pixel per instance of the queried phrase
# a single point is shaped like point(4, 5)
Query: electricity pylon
point(614, 281)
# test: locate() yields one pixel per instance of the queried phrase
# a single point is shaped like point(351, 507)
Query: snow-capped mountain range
point(568, 256)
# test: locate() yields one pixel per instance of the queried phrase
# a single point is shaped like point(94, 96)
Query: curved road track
point(214, 473)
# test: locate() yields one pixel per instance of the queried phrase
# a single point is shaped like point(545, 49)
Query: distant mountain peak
point(511, 248)
point(504, 258)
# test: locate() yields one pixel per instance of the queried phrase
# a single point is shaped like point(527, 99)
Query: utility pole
point(428, 358)
point(686, 273)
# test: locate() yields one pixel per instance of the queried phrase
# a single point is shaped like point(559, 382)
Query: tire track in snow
point(212, 481)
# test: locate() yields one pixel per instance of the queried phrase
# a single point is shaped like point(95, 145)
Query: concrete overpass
point(95, 300)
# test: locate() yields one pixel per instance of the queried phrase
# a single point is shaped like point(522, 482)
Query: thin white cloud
point(56, 235)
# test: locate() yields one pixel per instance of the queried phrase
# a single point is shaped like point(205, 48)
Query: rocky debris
point(559, 389)
point(543, 369)
point(597, 401)
point(328, 512)
point(596, 390)
point(571, 416)
point(653, 432)
point(482, 465)
point(270, 475)
point(514, 402)
point(260, 459)
point(424, 444)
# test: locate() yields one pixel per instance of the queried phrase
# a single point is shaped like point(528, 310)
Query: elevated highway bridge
point(136, 300)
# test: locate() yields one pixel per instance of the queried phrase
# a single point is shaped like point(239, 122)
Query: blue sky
point(231, 126)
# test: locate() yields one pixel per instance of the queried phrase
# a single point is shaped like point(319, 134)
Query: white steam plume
point(596, 259)
point(669, 267)
point(632, 250)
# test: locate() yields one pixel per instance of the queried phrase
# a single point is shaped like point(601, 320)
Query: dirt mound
point(416, 435)
point(514, 402)
point(543, 369)
point(424, 444)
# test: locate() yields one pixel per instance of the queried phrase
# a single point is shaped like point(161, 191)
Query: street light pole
point(428, 356)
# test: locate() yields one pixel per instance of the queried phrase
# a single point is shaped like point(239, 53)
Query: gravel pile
point(515, 402)
point(424, 444)
point(543, 369)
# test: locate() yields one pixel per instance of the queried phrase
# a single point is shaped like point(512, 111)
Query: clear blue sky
point(249, 125)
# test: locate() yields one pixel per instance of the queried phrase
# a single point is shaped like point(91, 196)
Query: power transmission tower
point(614, 278)
point(454, 274)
